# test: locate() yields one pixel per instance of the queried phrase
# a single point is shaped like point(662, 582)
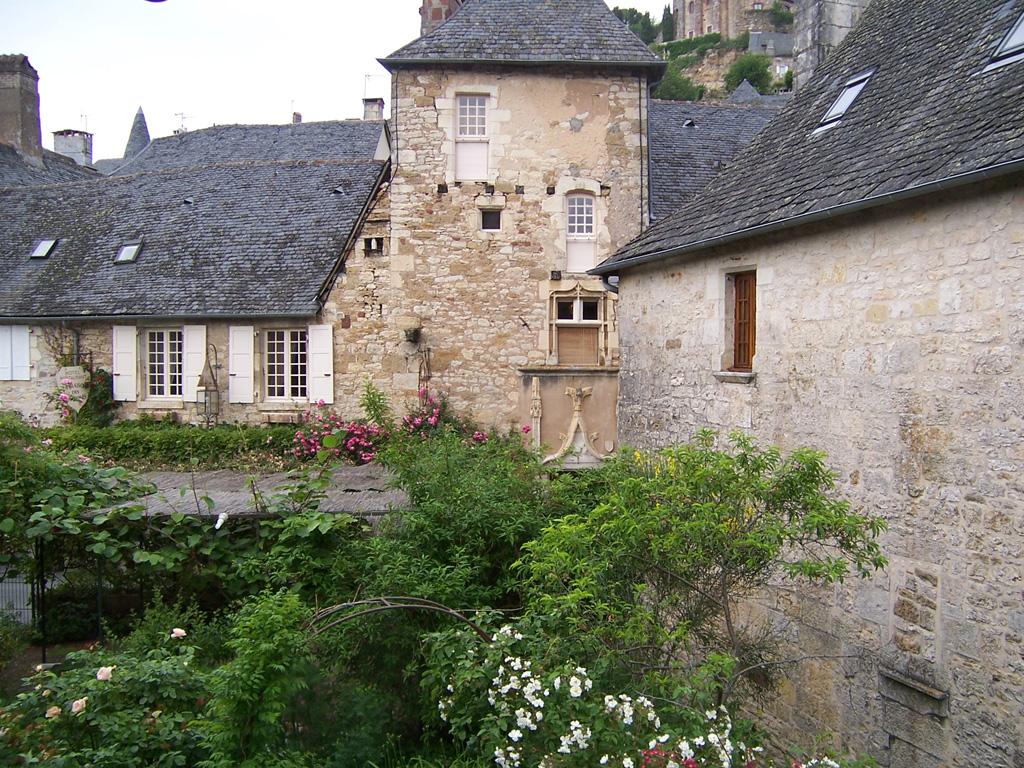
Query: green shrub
point(780, 16)
point(13, 638)
point(696, 45)
point(156, 445)
point(752, 67)
point(676, 86)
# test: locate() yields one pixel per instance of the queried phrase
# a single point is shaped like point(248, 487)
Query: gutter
point(40, 319)
point(949, 182)
point(391, 64)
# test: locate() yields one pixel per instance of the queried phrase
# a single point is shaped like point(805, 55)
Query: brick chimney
point(19, 106)
point(296, 118)
point(434, 13)
point(74, 144)
point(373, 109)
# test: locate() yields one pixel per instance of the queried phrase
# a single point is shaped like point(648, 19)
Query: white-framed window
point(578, 327)
point(286, 369)
point(580, 232)
point(164, 362)
point(15, 364)
point(472, 147)
point(851, 90)
point(1013, 44)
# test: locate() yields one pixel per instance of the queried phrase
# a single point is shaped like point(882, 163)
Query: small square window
point(566, 309)
point(43, 249)
point(1013, 43)
point(490, 221)
point(128, 253)
point(590, 309)
point(373, 246)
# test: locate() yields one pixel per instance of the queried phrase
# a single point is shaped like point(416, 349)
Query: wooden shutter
point(320, 369)
point(577, 345)
point(471, 160)
point(6, 363)
point(193, 360)
point(240, 364)
point(125, 362)
point(20, 355)
point(746, 320)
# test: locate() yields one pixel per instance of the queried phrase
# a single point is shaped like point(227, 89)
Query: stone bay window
point(579, 327)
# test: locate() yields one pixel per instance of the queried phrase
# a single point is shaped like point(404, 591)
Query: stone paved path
point(362, 491)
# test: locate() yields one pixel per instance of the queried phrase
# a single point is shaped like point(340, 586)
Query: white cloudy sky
point(213, 61)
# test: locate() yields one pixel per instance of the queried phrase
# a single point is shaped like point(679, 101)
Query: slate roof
point(929, 118)
point(257, 239)
point(525, 32)
point(745, 93)
point(783, 41)
point(691, 142)
point(16, 171)
point(334, 140)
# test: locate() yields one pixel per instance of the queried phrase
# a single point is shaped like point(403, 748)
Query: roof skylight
point(43, 249)
point(1013, 43)
point(851, 90)
point(128, 253)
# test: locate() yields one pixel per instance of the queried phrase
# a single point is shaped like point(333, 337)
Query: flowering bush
point(65, 400)
point(555, 717)
point(429, 415)
point(108, 710)
point(358, 442)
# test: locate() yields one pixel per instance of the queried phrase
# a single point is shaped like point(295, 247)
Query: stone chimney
point(19, 106)
point(821, 25)
point(296, 118)
point(434, 13)
point(74, 144)
point(373, 109)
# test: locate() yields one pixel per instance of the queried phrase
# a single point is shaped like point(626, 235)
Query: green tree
point(668, 25)
point(781, 17)
point(640, 23)
point(676, 86)
point(752, 67)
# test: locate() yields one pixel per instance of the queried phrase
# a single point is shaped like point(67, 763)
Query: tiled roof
point(690, 144)
point(236, 239)
point(333, 140)
point(783, 42)
point(16, 171)
point(930, 116)
point(529, 32)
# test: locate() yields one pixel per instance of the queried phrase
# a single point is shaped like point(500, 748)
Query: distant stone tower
point(821, 25)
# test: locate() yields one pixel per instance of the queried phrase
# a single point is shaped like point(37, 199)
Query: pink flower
point(527, 429)
point(480, 437)
point(178, 633)
point(321, 403)
point(83, 458)
point(64, 398)
point(423, 392)
point(78, 705)
point(104, 673)
point(52, 712)
point(66, 383)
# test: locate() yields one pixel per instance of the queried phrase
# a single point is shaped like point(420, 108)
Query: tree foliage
point(639, 22)
point(755, 68)
point(668, 25)
point(675, 86)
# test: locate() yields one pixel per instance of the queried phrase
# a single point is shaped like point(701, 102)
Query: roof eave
point(393, 64)
point(210, 316)
point(948, 182)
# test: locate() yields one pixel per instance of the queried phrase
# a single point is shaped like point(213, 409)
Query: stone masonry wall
point(892, 340)
point(821, 25)
point(481, 298)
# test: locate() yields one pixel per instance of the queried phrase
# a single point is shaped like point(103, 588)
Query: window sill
point(735, 377)
point(170, 404)
point(282, 405)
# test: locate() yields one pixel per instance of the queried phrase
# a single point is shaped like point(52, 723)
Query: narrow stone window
point(580, 232)
point(472, 147)
point(742, 295)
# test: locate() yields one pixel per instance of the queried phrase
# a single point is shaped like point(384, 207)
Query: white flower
point(104, 673)
point(178, 633)
point(627, 762)
point(52, 712)
point(221, 519)
point(603, 760)
point(711, 714)
point(78, 705)
point(515, 735)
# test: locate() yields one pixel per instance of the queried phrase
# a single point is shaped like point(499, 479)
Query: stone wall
point(891, 339)
point(821, 25)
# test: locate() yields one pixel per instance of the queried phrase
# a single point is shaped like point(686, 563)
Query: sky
point(196, 63)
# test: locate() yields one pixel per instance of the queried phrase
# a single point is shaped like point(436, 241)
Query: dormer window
point(43, 249)
point(851, 90)
point(1012, 45)
point(128, 252)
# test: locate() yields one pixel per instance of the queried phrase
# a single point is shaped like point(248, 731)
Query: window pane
point(174, 363)
point(297, 364)
point(275, 363)
point(580, 216)
point(472, 116)
point(490, 220)
point(156, 365)
point(845, 101)
point(590, 309)
point(565, 309)
point(1014, 41)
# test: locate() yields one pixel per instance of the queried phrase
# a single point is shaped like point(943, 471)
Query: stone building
point(821, 25)
point(729, 18)
point(854, 282)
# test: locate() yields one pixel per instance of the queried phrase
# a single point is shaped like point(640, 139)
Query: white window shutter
point(471, 160)
point(240, 364)
point(6, 363)
point(320, 369)
point(20, 356)
point(193, 360)
point(125, 362)
point(581, 255)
